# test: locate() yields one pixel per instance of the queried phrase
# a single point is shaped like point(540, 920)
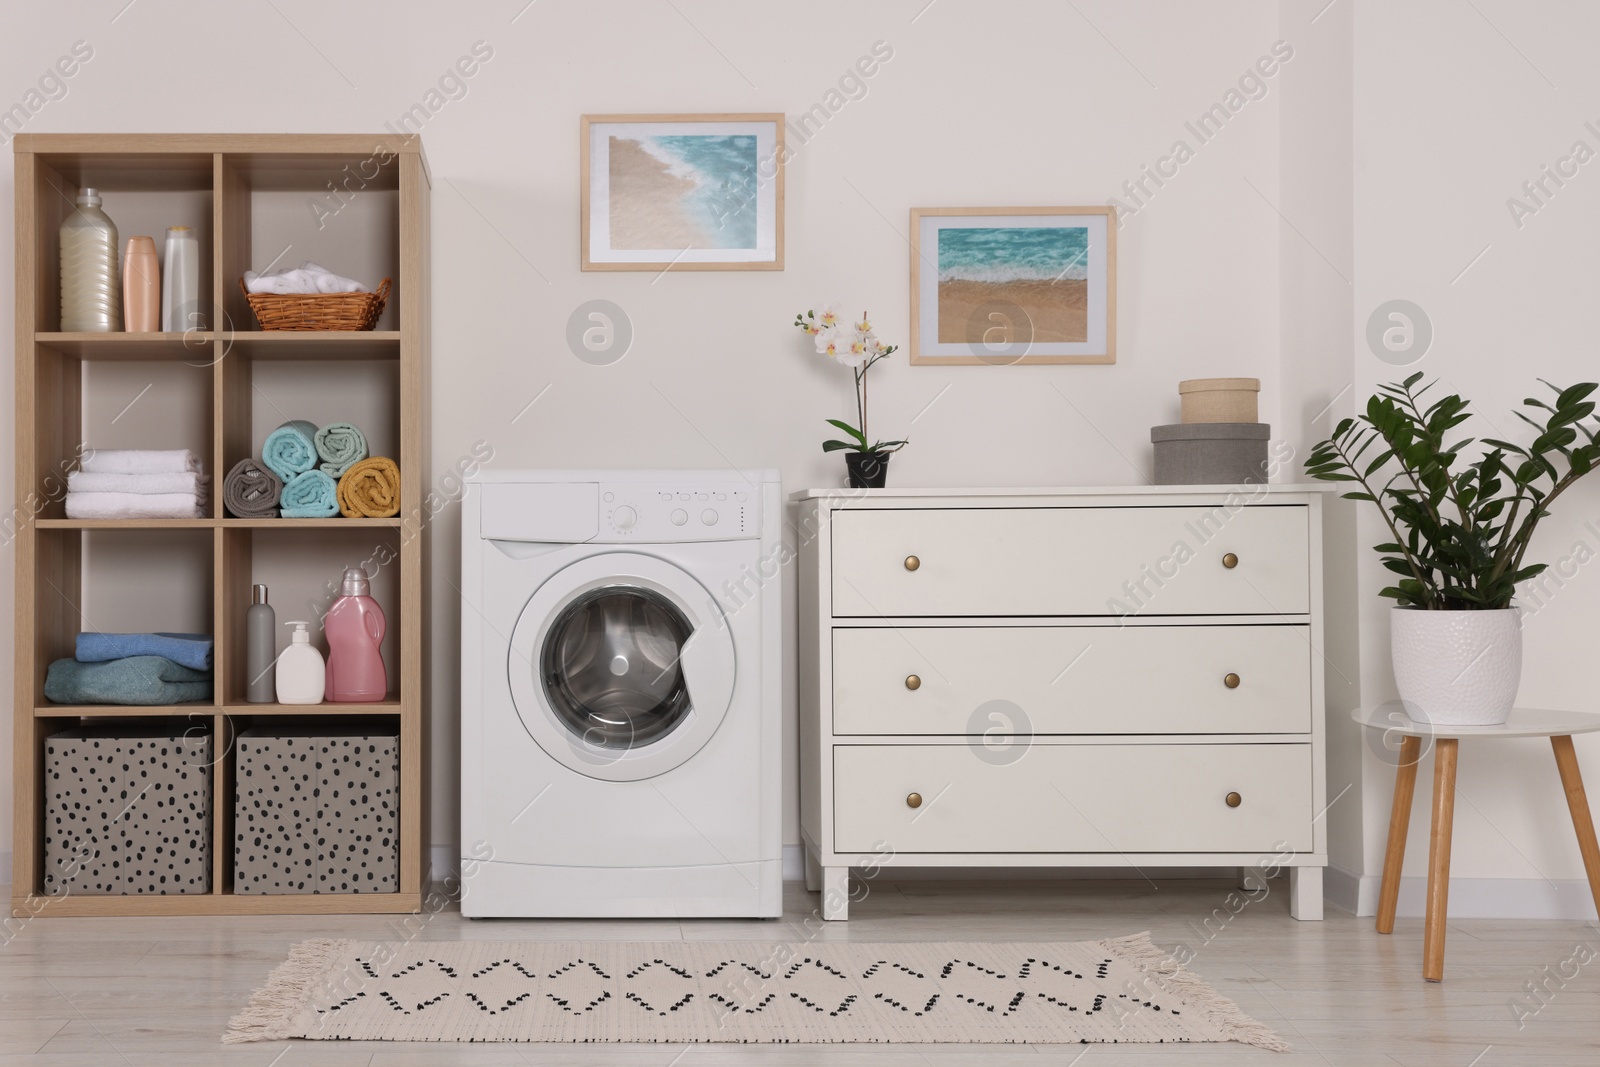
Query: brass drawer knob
point(1234, 800)
point(1230, 561)
point(913, 682)
point(912, 563)
point(913, 800)
point(1231, 681)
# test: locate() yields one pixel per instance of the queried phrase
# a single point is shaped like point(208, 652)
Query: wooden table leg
point(1405, 783)
point(1582, 821)
point(1444, 807)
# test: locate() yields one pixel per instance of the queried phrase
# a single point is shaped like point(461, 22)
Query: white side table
point(1558, 726)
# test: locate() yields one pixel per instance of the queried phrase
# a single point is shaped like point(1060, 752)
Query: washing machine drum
point(621, 666)
point(611, 669)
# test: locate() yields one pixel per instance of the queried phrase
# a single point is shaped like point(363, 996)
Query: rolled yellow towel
point(370, 489)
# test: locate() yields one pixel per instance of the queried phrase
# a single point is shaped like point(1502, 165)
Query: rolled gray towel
point(251, 491)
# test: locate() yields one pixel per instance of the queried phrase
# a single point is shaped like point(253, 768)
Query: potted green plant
point(856, 346)
point(1459, 534)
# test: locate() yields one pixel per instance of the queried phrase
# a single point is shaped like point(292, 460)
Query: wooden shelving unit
point(244, 194)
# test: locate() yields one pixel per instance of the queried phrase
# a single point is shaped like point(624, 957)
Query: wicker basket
point(318, 311)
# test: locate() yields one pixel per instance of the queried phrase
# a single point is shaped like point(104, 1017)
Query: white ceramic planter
point(1457, 668)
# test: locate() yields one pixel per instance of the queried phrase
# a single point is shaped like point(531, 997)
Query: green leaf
point(835, 446)
point(847, 428)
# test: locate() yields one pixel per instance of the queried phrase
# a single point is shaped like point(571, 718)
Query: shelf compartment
point(116, 581)
point(139, 201)
point(339, 209)
point(257, 396)
point(302, 570)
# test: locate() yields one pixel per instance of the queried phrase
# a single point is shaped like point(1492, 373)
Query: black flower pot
point(867, 470)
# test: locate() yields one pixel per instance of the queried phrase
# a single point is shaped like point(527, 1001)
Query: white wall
point(1376, 165)
point(1316, 261)
point(716, 374)
point(1455, 107)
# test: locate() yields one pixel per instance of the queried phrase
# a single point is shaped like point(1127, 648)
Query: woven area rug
point(1121, 990)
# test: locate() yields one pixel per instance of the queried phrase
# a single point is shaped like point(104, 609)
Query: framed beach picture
point(1013, 285)
point(686, 192)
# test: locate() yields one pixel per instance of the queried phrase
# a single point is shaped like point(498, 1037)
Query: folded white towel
point(307, 278)
point(83, 482)
point(133, 506)
point(139, 461)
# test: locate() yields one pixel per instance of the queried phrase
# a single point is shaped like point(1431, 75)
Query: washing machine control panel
point(663, 512)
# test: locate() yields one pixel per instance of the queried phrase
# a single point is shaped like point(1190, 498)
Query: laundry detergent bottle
point(354, 627)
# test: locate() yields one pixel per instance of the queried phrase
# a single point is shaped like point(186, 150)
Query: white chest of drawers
point(1062, 677)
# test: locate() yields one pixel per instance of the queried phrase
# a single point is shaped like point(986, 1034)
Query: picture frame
point(682, 192)
point(1013, 285)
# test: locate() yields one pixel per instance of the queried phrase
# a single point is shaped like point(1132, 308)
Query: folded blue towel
point(291, 448)
point(136, 680)
point(190, 650)
point(341, 444)
point(310, 495)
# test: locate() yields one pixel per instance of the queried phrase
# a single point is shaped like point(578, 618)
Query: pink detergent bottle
point(354, 628)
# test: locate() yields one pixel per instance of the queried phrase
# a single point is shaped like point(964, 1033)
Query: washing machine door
point(621, 666)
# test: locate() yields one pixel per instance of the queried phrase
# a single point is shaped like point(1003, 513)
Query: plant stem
point(1388, 520)
point(863, 381)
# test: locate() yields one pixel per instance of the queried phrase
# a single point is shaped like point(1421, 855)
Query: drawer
point(1073, 798)
point(1071, 561)
point(1072, 679)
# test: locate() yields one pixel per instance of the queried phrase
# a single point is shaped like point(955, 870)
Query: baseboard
point(445, 861)
point(1470, 898)
point(1342, 890)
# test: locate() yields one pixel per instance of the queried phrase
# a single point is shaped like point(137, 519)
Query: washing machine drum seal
point(611, 667)
point(621, 666)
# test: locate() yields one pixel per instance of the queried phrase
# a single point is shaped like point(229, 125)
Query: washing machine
point(620, 694)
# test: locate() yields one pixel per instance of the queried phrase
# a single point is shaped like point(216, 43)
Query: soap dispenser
point(355, 625)
point(300, 670)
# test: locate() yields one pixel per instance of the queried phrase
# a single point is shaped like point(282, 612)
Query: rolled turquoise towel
point(340, 444)
point(291, 448)
point(140, 680)
point(310, 495)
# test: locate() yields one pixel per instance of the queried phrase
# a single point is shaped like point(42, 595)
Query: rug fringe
point(1170, 974)
point(275, 1006)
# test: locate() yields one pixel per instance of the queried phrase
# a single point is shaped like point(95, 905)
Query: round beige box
point(1219, 399)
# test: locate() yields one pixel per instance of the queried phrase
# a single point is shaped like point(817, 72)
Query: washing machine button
point(709, 516)
point(624, 517)
point(609, 497)
point(679, 516)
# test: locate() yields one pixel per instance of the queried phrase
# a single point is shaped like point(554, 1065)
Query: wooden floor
point(107, 992)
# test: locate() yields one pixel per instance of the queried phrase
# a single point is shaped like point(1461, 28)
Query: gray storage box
point(1211, 453)
point(316, 810)
point(128, 810)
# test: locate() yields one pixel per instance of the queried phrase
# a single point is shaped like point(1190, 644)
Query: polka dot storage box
point(128, 809)
point(316, 810)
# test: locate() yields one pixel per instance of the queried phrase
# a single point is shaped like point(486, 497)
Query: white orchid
point(855, 350)
point(830, 342)
point(855, 346)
